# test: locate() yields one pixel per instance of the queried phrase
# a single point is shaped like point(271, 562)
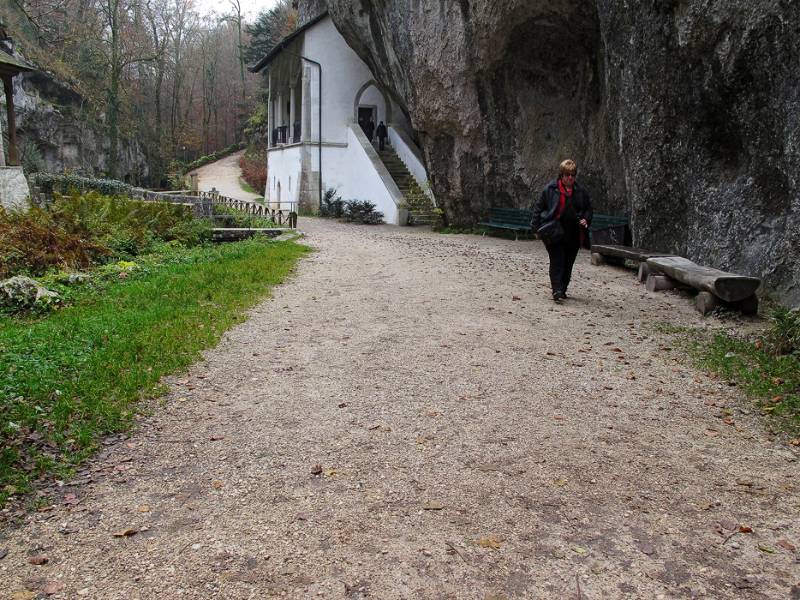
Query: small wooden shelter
point(9, 67)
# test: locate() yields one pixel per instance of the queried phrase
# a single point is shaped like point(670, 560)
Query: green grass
point(250, 189)
point(77, 374)
point(769, 378)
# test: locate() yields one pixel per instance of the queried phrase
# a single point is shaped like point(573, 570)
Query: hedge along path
point(412, 417)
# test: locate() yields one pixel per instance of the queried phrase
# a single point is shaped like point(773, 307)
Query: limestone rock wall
point(682, 114)
point(59, 123)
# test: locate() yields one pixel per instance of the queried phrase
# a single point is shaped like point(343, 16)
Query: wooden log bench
point(715, 287)
point(617, 255)
point(512, 219)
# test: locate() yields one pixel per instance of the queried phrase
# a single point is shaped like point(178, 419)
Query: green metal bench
point(513, 219)
point(609, 230)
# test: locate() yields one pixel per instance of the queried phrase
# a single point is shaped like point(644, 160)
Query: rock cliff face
point(58, 123)
point(683, 114)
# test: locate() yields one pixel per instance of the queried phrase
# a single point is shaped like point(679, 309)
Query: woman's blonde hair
point(568, 167)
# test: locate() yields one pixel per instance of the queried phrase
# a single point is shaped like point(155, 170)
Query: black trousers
point(562, 258)
point(381, 141)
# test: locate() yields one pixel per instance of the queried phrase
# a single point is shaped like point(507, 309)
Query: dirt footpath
point(224, 176)
point(412, 417)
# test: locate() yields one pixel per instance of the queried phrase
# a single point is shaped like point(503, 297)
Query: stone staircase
point(420, 207)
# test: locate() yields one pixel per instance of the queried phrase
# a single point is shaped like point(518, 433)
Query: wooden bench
point(514, 219)
point(617, 255)
point(715, 287)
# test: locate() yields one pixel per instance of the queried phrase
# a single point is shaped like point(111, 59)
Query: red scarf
point(562, 200)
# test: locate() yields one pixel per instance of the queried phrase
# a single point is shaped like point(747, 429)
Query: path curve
point(412, 417)
point(224, 176)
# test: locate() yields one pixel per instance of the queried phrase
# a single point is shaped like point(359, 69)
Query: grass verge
point(768, 376)
point(75, 375)
point(250, 189)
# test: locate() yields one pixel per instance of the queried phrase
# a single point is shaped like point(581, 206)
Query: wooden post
point(705, 302)
point(644, 271)
point(13, 153)
point(658, 283)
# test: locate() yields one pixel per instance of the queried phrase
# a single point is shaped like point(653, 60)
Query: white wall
point(283, 165)
point(354, 172)
point(373, 97)
point(411, 156)
point(343, 74)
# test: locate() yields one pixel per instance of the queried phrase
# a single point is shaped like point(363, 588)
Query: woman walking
point(562, 217)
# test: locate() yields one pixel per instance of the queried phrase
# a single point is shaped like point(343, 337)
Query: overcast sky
point(250, 8)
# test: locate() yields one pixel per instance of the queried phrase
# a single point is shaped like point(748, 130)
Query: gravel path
point(224, 175)
point(411, 417)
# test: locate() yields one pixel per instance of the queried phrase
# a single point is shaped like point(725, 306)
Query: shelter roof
point(284, 43)
point(11, 66)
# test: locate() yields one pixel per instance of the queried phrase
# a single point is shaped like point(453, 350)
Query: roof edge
point(281, 46)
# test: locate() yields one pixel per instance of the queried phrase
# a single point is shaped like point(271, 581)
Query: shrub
point(362, 211)
point(214, 156)
point(232, 217)
point(332, 205)
point(783, 335)
point(53, 183)
point(254, 171)
point(32, 242)
point(76, 232)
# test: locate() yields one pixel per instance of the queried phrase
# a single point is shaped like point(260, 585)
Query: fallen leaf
point(143, 508)
point(795, 442)
point(342, 404)
point(70, 499)
point(728, 524)
point(766, 549)
point(728, 421)
point(712, 433)
point(433, 505)
point(126, 532)
point(745, 529)
point(330, 472)
point(217, 484)
point(23, 595)
point(216, 438)
point(560, 482)
point(786, 545)
point(744, 482)
point(39, 559)
point(3, 553)
point(53, 587)
point(492, 542)
point(580, 550)
point(316, 470)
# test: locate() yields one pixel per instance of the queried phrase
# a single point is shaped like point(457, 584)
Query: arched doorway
point(372, 102)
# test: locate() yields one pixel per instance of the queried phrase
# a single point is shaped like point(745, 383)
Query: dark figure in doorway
point(566, 203)
point(370, 130)
point(382, 133)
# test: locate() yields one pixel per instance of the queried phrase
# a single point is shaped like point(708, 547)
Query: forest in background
point(155, 70)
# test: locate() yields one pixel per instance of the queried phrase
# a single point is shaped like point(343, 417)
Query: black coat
point(545, 209)
point(381, 131)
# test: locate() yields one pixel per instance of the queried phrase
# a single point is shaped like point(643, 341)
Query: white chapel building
point(319, 91)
